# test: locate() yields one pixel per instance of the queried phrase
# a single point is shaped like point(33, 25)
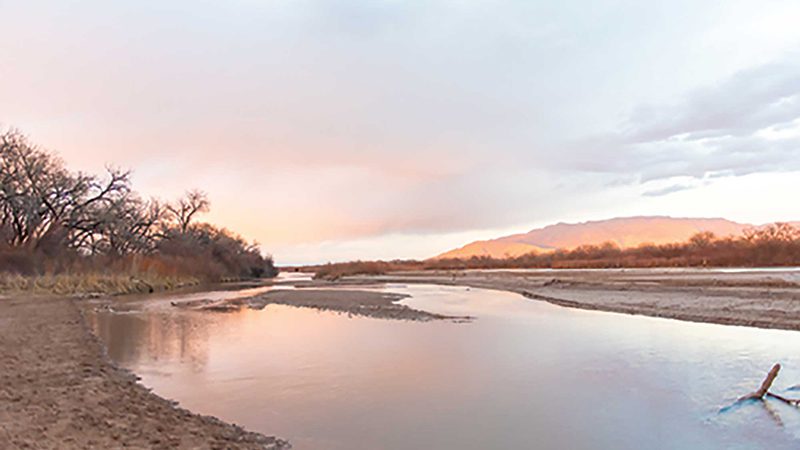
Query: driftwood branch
point(765, 385)
point(763, 391)
point(788, 401)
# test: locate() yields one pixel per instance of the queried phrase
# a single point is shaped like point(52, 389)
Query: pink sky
point(339, 130)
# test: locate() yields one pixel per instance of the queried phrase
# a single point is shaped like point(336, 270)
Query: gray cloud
point(747, 123)
point(668, 190)
point(748, 101)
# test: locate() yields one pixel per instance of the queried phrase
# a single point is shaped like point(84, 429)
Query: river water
point(524, 374)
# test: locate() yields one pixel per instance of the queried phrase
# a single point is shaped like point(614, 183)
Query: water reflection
point(525, 374)
point(134, 337)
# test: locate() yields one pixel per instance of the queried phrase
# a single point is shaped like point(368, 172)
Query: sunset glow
point(342, 130)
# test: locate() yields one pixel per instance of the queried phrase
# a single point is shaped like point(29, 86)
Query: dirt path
point(757, 299)
point(59, 390)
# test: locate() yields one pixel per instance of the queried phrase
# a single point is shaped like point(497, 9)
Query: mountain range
point(626, 232)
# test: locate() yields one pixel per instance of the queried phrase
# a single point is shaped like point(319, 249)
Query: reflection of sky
point(524, 374)
point(361, 129)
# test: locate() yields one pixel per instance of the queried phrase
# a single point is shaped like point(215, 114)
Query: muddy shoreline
point(763, 299)
point(353, 302)
point(59, 389)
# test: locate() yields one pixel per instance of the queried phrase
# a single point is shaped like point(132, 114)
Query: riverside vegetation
point(767, 246)
point(71, 232)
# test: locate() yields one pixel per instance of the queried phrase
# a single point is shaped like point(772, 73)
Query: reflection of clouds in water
point(523, 372)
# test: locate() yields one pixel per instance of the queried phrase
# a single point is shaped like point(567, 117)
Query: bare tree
point(129, 225)
point(48, 211)
point(702, 239)
point(185, 209)
point(97, 210)
point(41, 202)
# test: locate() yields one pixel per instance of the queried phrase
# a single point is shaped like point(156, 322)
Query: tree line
point(54, 220)
point(777, 244)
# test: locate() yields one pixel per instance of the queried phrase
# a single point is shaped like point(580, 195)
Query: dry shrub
point(773, 245)
point(338, 270)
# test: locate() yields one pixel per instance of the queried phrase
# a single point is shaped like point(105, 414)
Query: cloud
point(746, 102)
point(746, 123)
point(668, 190)
point(341, 120)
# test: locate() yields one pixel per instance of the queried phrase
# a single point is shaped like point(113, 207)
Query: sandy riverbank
point(367, 303)
point(765, 299)
point(59, 390)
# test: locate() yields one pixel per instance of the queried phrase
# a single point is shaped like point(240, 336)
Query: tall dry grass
point(90, 284)
point(105, 275)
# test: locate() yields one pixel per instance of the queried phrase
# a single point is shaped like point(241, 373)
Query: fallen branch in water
point(765, 385)
point(763, 390)
point(788, 401)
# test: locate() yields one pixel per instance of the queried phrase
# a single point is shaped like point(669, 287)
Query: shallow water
point(524, 374)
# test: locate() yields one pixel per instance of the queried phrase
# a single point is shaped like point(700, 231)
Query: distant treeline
point(55, 221)
point(773, 245)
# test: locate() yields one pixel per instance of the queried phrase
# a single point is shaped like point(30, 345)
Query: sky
point(337, 130)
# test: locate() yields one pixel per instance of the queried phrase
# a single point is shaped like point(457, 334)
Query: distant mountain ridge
point(626, 232)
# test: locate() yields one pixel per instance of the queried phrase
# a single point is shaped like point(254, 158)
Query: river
point(523, 374)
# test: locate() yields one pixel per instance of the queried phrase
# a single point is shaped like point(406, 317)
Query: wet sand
point(347, 301)
point(756, 298)
point(58, 389)
point(764, 299)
